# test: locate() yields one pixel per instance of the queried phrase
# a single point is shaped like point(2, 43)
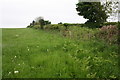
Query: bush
point(93, 25)
point(53, 27)
point(36, 26)
point(108, 33)
point(110, 23)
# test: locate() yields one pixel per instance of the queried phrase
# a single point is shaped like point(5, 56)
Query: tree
point(111, 8)
point(93, 11)
point(40, 20)
point(60, 23)
point(33, 22)
point(47, 22)
point(66, 26)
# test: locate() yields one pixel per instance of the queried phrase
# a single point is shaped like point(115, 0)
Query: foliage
point(46, 22)
point(118, 33)
point(60, 23)
point(66, 25)
point(36, 53)
point(37, 27)
point(111, 8)
point(95, 15)
point(53, 27)
point(108, 33)
point(110, 23)
point(33, 22)
point(39, 21)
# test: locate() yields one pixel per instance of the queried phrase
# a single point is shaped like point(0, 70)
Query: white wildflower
point(32, 67)
point(37, 46)
point(9, 73)
point(47, 50)
point(75, 45)
point(16, 72)
point(28, 49)
point(15, 56)
point(16, 35)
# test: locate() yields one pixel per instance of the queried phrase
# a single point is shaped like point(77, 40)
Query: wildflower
point(28, 49)
point(32, 67)
point(16, 72)
point(16, 35)
point(37, 46)
point(18, 64)
point(9, 73)
point(75, 45)
point(47, 50)
point(15, 56)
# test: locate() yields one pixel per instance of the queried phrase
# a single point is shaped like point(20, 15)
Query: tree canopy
point(93, 11)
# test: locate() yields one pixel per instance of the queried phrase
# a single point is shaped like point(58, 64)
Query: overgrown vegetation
point(64, 50)
point(34, 53)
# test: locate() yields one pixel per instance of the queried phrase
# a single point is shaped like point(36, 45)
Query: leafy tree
point(111, 8)
point(93, 11)
point(60, 23)
point(33, 22)
point(66, 26)
point(40, 20)
point(47, 22)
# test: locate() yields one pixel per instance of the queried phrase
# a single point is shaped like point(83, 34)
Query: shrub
point(110, 23)
point(36, 26)
point(53, 27)
point(108, 33)
point(93, 25)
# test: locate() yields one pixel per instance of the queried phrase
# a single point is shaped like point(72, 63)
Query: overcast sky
point(19, 13)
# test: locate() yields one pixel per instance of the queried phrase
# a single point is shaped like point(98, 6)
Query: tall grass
point(31, 53)
point(0, 53)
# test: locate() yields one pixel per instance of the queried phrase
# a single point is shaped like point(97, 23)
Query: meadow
point(0, 53)
point(35, 53)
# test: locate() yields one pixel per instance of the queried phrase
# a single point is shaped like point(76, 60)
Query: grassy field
point(0, 53)
point(31, 53)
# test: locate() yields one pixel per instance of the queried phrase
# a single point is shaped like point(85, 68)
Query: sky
point(20, 13)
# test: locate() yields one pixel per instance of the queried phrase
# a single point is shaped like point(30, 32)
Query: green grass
point(41, 54)
point(0, 53)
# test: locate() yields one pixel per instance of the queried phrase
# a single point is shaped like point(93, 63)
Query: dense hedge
point(67, 25)
point(110, 23)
